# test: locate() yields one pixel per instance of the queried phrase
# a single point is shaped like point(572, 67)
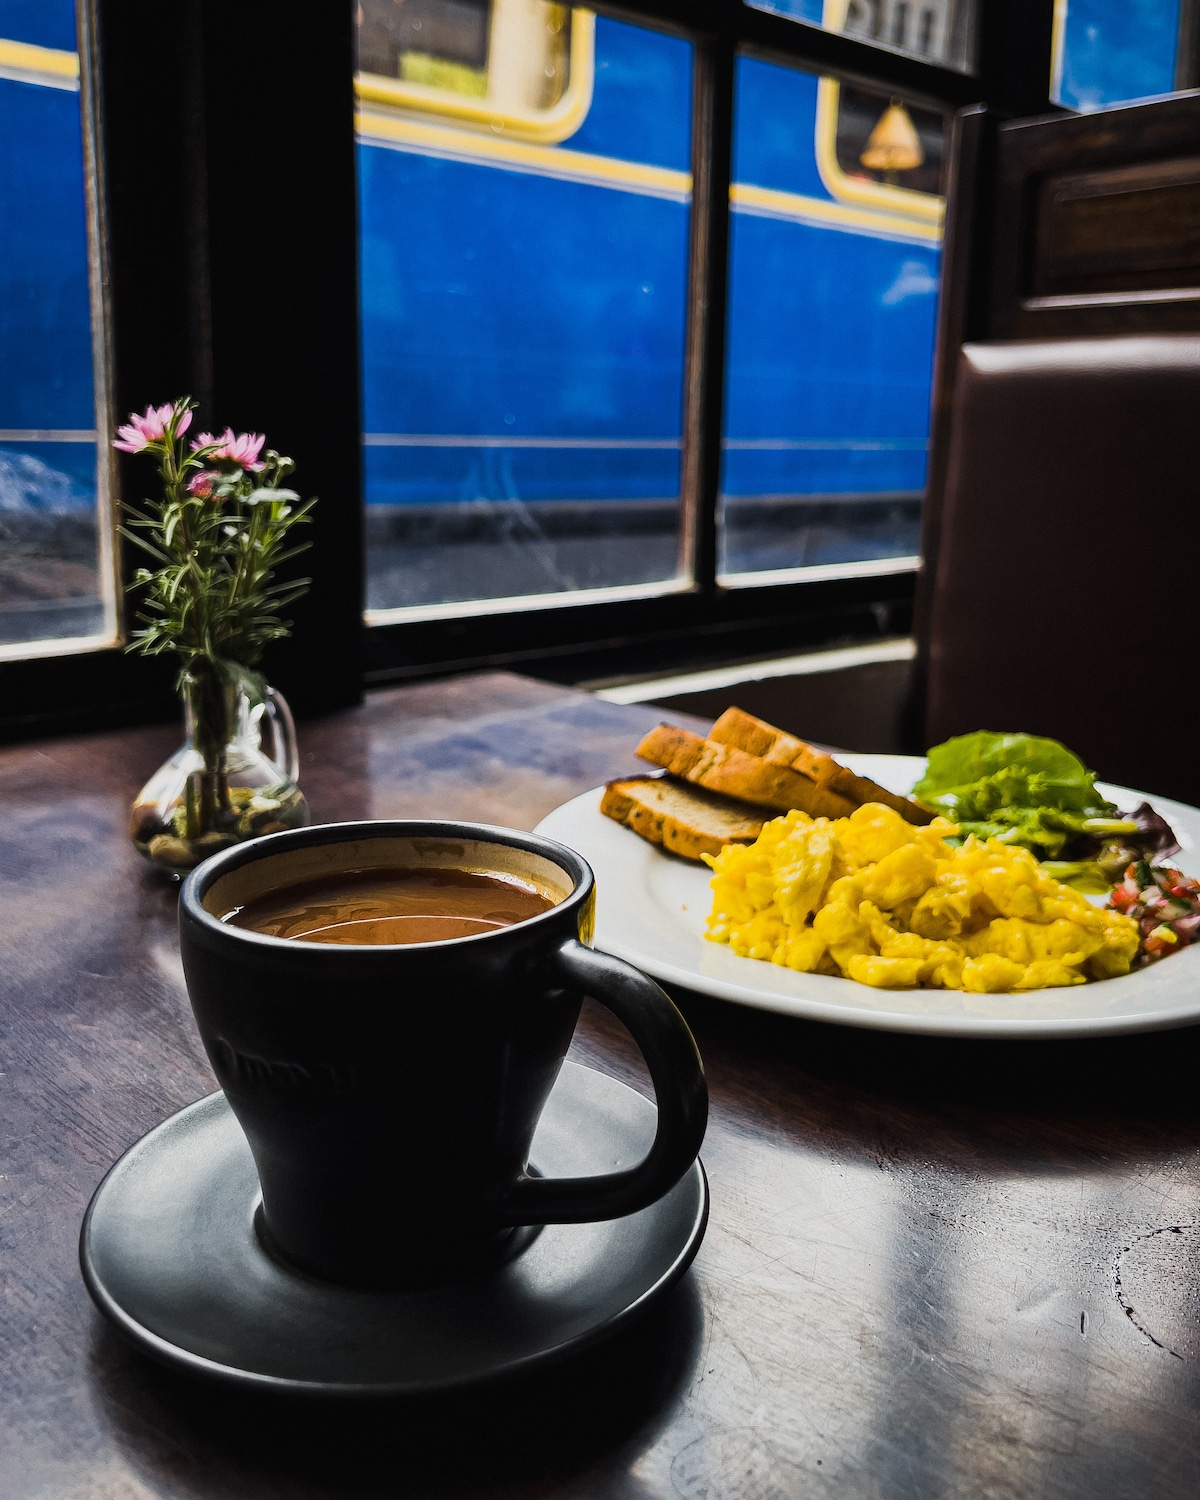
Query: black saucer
point(170, 1255)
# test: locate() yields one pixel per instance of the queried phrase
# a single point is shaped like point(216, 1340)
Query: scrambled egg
point(872, 898)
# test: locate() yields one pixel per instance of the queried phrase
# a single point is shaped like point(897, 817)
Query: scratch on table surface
point(1119, 1291)
point(53, 759)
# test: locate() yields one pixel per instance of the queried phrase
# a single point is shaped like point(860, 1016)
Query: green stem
point(209, 706)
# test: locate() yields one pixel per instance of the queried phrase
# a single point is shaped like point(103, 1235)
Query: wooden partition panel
point(1062, 506)
point(1098, 223)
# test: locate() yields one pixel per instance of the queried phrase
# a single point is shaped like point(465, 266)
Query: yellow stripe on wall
point(800, 209)
point(453, 144)
point(1058, 41)
point(422, 139)
point(46, 66)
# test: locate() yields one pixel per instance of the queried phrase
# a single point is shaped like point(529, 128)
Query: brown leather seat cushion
point(1065, 598)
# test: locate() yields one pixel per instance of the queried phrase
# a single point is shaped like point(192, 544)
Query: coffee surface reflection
point(391, 906)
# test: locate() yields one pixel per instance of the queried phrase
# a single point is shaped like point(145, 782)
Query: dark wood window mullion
point(282, 248)
point(1187, 49)
point(704, 364)
point(1015, 48)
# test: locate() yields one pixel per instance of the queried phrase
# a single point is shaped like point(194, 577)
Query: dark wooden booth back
point(1062, 537)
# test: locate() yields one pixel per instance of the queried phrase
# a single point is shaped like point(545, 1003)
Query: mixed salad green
point(1026, 790)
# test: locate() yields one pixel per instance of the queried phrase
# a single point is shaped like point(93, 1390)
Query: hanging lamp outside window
point(893, 145)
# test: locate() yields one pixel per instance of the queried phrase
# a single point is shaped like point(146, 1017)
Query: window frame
point(204, 293)
point(377, 95)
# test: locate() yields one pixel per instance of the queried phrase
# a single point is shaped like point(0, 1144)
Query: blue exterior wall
point(473, 325)
point(1114, 50)
point(46, 379)
point(500, 303)
point(830, 341)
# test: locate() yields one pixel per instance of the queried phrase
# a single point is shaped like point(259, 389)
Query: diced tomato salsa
point(1165, 903)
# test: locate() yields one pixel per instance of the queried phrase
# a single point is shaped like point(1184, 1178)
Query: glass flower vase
point(233, 779)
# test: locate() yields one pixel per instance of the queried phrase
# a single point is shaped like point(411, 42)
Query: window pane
point(1114, 51)
point(524, 193)
point(55, 581)
point(939, 30)
point(834, 259)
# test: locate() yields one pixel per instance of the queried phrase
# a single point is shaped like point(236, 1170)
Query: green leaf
point(1015, 787)
point(982, 771)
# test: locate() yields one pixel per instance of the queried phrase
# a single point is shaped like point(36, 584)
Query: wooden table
point(932, 1269)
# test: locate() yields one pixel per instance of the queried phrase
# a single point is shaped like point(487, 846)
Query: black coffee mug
point(390, 1093)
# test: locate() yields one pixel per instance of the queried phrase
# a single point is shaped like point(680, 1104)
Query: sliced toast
point(742, 731)
point(739, 774)
point(682, 818)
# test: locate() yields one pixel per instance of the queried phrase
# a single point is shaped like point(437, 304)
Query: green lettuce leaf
point(1016, 787)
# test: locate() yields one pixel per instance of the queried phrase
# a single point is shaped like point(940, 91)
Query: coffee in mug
point(390, 1089)
point(401, 905)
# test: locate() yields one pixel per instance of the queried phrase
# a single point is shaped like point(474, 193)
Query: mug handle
point(680, 1090)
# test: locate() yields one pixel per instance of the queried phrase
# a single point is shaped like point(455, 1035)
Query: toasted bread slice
point(743, 731)
point(736, 773)
point(682, 818)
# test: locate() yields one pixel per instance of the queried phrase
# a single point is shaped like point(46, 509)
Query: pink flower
point(139, 432)
point(241, 448)
point(201, 485)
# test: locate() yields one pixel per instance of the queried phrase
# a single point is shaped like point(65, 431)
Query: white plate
point(651, 908)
